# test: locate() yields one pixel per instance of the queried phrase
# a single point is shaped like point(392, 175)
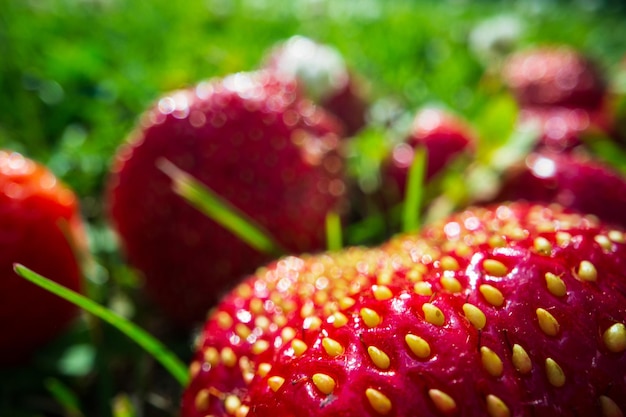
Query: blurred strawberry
point(250, 140)
point(573, 181)
point(561, 93)
point(511, 310)
point(555, 76)
point(442, 134)
point(322, 75)
point(40, 227)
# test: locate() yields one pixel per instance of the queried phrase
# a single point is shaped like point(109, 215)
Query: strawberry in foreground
point(573, 181)
point(250, 140)
point(443, 135)
point(511, 310)
point(322, 75)
point(40, 227)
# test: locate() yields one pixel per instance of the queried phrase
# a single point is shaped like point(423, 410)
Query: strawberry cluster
point(506, 309)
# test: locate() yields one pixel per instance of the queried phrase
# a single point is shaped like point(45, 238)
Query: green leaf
point(334, 239)
point(414, 193)
point(220, 210)
point(155, 348)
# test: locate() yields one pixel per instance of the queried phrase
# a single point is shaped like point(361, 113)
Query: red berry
point(40, 227)
point(573, 181)
point(512, 310)
point(443, 135)
point(552, 76)
point(250, 140)
point(322, 75)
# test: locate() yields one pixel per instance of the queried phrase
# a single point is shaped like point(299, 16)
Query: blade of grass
point(414, 193)
point(155, 348)
point(220, 210)
point(64, 396)
point(334, 238)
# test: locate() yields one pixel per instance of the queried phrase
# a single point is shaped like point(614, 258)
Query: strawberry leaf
point(155, 348)
point(220, 210)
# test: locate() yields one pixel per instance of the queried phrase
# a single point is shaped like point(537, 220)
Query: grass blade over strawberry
point(251, 140)
point(511, 310)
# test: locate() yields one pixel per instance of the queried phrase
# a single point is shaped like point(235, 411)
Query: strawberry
point(444, 136)
point(249, 139)
point(509, 310)
point(571, 180)
point(562, 93)
point(322, 75)
point(554, 76)
point(40, 227)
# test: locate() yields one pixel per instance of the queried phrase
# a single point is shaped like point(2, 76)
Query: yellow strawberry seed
point(496, 407)
point(418, 346)
point(380, 358)
point(298, 346)
point(555, 284)
point(615, 338)
point(202, 400)
point(433, 315)
point(495, 268)
point(492, 295)
point(332, 347)
point(521, 360)
point(542, 246)
point(275, 382)
point(232, 404)
point(423, 288)
point(555, 373)
point(382, 292)
point(548, 324)
point(475, 315)
point(370, 317)
point(443, 402)
point(491, 362)
point(325, 383)
point(587, 271)
point(609, 407)
point(379, 401)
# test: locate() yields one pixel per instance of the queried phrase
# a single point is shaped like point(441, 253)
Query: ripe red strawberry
point(562, 92)
point(512, 310)
point(323, 76)
point(251, 141)
point(444, 136)
point(573, 181)
point(555, 76)
point(40, 227)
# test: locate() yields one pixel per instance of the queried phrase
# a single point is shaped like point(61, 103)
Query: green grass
point(75, 76)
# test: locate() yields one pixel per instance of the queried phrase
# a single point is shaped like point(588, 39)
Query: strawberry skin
point(554, 76)
point(40, 227)
point(442, 134)
point(249, 139)
point(511, 310)
point(573, 181)
point(322, 75)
